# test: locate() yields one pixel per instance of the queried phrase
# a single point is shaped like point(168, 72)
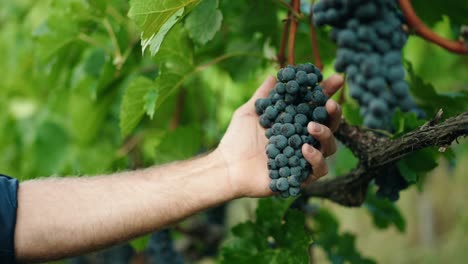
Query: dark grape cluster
point(390, 183)
point(370, 37)
point(296, 100)
point(161, 249)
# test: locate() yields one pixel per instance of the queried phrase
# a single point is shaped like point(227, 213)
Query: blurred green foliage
point(80, 98)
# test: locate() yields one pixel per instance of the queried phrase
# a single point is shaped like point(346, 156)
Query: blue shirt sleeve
point(8, 205)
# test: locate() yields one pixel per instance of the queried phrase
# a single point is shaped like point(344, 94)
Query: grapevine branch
point(376, 153)
point(179, 108)
point(284, 38)
point(292, 32)
point(414, 22)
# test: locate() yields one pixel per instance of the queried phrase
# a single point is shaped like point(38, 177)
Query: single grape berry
point(299, 128)
point(312, 79)
point(288, 74)
point(319, 98)
point(301, 78)
point(274, 174)
point(280, 88)
point(265, 121)
point(295, 141)
point(281, 160)
point(272, 186)
point(298, 153)
point(288, 130)
point(288, 151)
point(290, 109)
point(281, 142)
point(271, 164)
point(292, 87)
point(400, 89)
point(301, 119)
point(294, 191)
point(378, 107)
point(303, 163)
point(271, 112)
point(284, 118)
point(293, 161)
point(294, 181)
point(282, 184)
point(284, 172)
point(320, 115)
point(280, 105)
point(303, 108)
point(272, 151)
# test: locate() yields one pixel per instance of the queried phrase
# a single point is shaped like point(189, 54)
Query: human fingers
point(324, 135)
point(316, 160)
point(332, 84)
point(334, 114)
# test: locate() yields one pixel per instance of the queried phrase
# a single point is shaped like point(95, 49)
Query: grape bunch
point(370, 37)
point(161, 249)
point(296, 99)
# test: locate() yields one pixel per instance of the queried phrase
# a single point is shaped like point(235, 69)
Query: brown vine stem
point(291, 9)
point(179, 108)
point(313, 39)
point(425, 32)
point(292, 32)
point(284, 38)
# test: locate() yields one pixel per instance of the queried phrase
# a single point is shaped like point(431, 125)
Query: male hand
point(243, 145)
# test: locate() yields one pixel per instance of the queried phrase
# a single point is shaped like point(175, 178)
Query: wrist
point(231, 172)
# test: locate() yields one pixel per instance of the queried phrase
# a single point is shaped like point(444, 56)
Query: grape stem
point(376, 154)
point(414, 22)
point(179, 108)
point(282, 52)
point(313, 39)
point(292, 32)
point(296, 14)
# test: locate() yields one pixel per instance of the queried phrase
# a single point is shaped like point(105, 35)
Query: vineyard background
point(67, 66)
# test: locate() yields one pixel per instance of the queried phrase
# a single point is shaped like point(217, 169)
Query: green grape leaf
point(384, 213)
point(156, 18)
point(433, 13)
point(63, 26)
point(270, 212)
point(405, 122)
point(150, 102)
point(176, 66)
point(51, 146)
point(407, 173)
point(276, 236)
point(140, 243)
point(340, 248)
point(146, 96)
point(133, 102)
point(351, 113)
point(182, 143)
point(431, 101)
point(345, 160)
point(204, 21)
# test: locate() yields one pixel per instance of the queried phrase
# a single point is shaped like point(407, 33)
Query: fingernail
point(338, 107)
point(315, 127)
point(309, 148)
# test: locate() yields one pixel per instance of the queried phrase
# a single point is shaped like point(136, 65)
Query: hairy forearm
point(67, 216)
